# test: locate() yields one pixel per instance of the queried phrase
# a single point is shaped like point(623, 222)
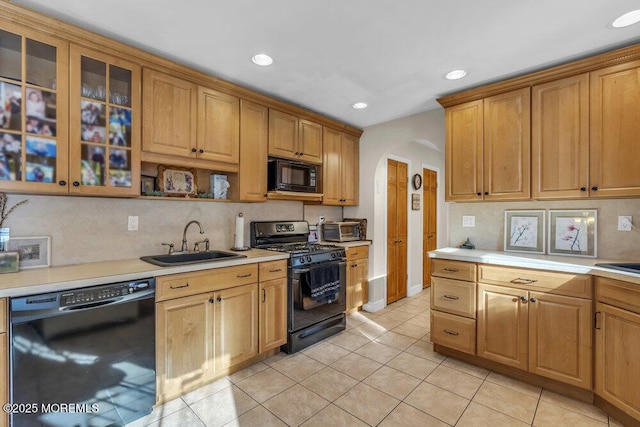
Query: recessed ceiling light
point(455, 74)
point(359, 105)
point(262, 60)
point(627, 19)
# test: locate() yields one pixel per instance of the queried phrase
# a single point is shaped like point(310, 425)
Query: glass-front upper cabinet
point(33, 111)
point(105, 124)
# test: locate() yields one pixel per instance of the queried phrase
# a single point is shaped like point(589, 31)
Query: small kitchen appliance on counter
point(316, 288)
point(341, 231)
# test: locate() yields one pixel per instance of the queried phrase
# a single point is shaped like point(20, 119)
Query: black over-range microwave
point(289, 175)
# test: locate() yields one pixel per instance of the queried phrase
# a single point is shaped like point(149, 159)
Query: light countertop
point(59, 278)
point(539, 262)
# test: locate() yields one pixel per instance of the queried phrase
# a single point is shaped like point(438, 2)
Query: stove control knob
point(308, 258)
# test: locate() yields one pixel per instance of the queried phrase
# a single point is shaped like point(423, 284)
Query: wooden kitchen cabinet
point(293, 138)
point(357, 277)
point(184, 341)
point(4, 361)
point(254, 147)
point(34, 124)
point(453, 304)
point(194, 123)
point(488, 148)
point(206, 323)
point(560, 138)
point(169, 114)
point(273, 305)
point(545, 333)
point(105, 113)
point(614, 130)
point(617, 345)
point(218, 135)
point(235, 325)
point(340, 168)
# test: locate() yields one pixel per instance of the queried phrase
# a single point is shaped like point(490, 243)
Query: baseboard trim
point(372, 306)
point(414, 289)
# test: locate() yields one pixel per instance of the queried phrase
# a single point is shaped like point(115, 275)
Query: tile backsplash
point(87, 229)
point(488, 232)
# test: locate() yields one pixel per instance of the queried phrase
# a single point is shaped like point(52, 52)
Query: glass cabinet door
point(105, 120)
point(33, 112)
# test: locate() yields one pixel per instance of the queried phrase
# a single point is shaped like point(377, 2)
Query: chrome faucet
point(185, 248)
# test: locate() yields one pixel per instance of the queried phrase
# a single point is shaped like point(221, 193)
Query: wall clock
point(417, 181)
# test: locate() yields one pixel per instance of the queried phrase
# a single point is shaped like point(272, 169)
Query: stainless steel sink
point(631, 267)
point(190, 258)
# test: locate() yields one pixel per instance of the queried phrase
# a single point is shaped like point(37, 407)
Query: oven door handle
point(306, 270)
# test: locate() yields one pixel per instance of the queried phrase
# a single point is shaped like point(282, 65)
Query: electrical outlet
point(468, 221)
point(320, 219)
point(132, 223)
point(624, 222)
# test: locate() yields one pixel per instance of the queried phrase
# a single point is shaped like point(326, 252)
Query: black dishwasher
point(83, 357)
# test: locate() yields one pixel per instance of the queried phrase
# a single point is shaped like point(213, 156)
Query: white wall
point(398, 138)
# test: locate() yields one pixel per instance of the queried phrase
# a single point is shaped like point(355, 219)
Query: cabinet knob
point(210, 300)
point(486, 193)
point(301, 153)
point(201, 151)
point(583, 189)
point(76, 184)
point(193, 150)
point(523, 299)
point(63, 183)
point(479, 194)
point(297, 153)
point(533, 300)
point(219, 299)
point(594, 188)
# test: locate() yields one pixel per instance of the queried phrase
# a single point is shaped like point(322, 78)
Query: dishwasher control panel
point(103, 293)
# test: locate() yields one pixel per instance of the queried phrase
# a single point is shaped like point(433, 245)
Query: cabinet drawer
point(453, 296)
point(575, 285)
point(273, 270)
point(179, 285)
point(357, 252)
point(454, 332)
point(3, 315)
point(618, 294)
point(453, 269)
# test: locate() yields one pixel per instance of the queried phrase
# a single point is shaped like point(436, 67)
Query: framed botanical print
point(524, 231)
point(573, 232)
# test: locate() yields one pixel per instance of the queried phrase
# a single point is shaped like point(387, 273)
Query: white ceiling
point(391, 54)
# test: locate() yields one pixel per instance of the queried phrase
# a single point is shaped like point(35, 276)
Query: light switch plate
point(132, 223)
point(468, 221)
point(624, 222)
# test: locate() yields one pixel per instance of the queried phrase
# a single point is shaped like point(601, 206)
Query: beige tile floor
point(381, 372)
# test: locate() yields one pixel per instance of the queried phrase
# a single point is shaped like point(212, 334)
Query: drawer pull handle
point(522, 281)
point(451, 297)
point(179, 286)
point(451, 270)
point(240, 276)
point(455, 334)
point(275, 271)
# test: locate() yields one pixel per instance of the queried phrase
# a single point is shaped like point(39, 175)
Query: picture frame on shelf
point(524, 231)
point(33, 252)
point(8, 262)
point(177, 181)
point(147, 184)
point(573, 232)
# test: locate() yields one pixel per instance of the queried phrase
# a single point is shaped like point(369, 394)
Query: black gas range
point(316, 281)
